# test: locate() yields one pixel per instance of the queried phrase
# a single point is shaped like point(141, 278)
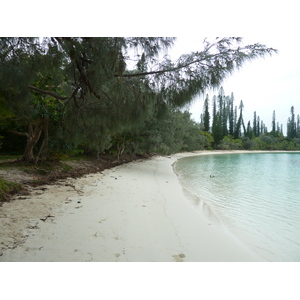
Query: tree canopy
point(60, 90)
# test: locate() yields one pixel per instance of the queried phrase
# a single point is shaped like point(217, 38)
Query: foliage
point(174, 132)
point(208, 140)
point(249, 143)
point(229, 143)
point(225, 121)
point(8, 187)
point(83, 92)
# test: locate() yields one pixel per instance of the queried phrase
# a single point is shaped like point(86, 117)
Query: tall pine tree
point(206, 115)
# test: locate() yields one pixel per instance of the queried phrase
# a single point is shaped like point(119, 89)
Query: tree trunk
point(43, 149)
point(120, 149)
point(32, 138)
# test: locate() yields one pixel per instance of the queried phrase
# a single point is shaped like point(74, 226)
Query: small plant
point(66, 167)
point(8, 188)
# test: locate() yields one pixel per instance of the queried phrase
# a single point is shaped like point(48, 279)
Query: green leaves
point(87, 92)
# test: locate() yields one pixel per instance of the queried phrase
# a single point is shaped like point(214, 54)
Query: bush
point(229, 143)
point(207, 140)
point(249, 144)
point(7, 188)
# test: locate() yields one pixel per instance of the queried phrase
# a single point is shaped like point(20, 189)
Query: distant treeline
point(228, 130)
point(175, 132)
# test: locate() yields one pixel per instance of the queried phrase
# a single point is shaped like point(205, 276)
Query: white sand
point(136, 212)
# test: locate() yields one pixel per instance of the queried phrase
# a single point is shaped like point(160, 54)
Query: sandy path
point(134, 212)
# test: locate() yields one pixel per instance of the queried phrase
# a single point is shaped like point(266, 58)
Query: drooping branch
point(223, 58)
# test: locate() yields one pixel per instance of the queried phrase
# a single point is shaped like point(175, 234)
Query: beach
point(136, 212)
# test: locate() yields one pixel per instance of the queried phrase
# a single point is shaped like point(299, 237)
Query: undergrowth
point(8, 188)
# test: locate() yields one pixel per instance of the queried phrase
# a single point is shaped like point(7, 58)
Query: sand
point(136, 212)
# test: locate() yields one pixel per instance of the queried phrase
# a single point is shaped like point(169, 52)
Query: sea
point(255, 196)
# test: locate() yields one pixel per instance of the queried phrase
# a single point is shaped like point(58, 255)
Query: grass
point(8, 188)
point(9, 157)
point(77, 157)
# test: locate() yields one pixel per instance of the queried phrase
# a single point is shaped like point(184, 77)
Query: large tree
point(98, 91)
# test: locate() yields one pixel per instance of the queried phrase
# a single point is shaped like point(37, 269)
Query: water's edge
point(205, 210)
point(240, 218)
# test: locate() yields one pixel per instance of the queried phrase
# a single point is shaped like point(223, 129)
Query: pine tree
point(220, 101)
point(231, 115)
point(298, 127)
point(254, 124)
point(240, 122)
point(291, 125)
point(264, 129)
point(225, 116)
point(217, 131)
point(206, 115)
point(249, 131)
point(235, 119)
point(277, 128)
point(274, 122)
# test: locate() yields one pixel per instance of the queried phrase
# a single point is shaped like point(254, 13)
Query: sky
point(265, 84)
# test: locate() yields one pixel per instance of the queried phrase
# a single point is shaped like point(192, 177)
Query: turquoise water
point(256, 196)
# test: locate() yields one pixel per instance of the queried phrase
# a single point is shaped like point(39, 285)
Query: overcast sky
point(264, 85)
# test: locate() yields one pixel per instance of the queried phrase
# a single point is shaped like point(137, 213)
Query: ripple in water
point(255, 195)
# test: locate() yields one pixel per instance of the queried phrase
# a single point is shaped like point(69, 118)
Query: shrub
point(8, 187)
point(229, 143)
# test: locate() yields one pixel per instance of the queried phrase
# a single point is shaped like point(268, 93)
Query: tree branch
point(19, 133)
point(47, 93)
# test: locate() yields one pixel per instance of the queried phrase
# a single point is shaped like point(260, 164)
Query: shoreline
point(135, 212)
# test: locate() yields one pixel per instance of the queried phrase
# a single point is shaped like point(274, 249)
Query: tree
point(278, 128)
point(225, 115)
point(99, 94)
point(206, 115)
point(258, 126)
point(298, 127)
point(255, 124)
point(273, 122)
point(240, 122)
point(174, 133)
point(217, 131)
point(220, 106)
point(23, 64)
point(231, 115)
point(291, 126)
point(249, 132)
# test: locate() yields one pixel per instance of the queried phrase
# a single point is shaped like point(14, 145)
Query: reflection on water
point(256, 196)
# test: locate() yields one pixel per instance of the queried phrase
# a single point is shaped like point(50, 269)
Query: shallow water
point(255, 195)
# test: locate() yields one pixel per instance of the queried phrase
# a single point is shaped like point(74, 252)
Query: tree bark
point(42, 152)
point(33, 137)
